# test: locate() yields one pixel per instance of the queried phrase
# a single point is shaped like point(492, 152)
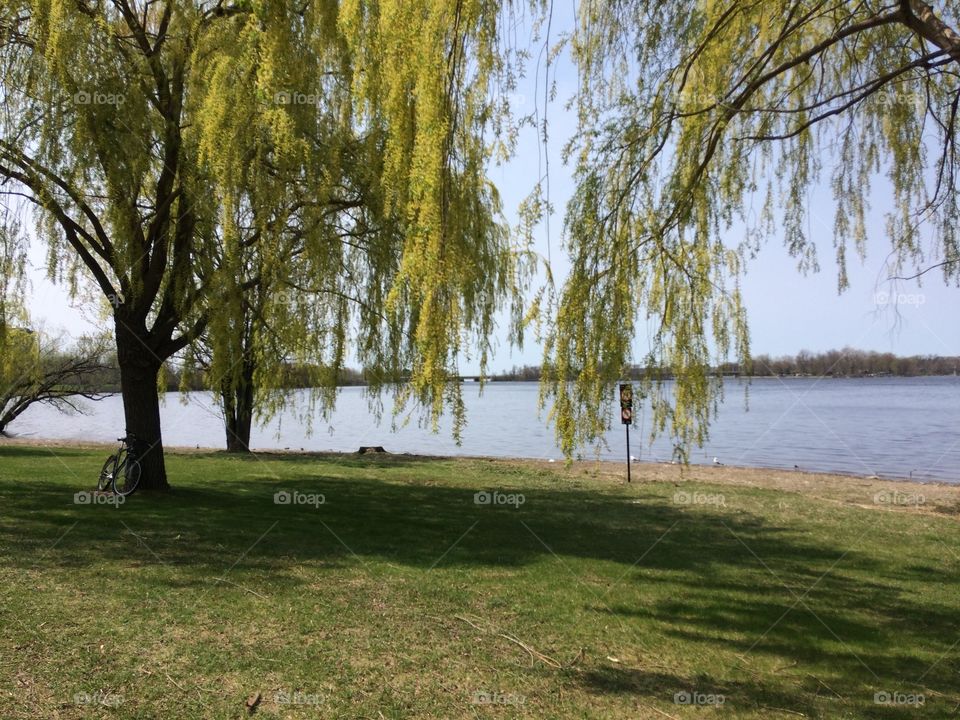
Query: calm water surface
point(891, 427)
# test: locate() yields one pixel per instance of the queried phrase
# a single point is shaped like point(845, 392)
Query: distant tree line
point(853, 363)
point(833, 363)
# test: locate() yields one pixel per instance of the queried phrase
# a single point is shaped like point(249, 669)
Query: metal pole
point(628, 451)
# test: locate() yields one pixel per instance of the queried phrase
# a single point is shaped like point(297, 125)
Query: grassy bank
point(399, 596)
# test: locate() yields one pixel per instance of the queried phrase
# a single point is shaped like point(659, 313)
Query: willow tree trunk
point(139, 369)
point(238, 411)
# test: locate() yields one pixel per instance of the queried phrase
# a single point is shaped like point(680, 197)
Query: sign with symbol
point(626, 416)
point(626, 404)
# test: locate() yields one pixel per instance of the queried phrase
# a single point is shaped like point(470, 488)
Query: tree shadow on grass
point(848, 625)
point(702, 692)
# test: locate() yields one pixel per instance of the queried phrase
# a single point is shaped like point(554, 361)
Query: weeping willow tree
point(297, 180)
point(356, 204)
point(692, 112)
point(160, 142)
point(302, 287)
point(319, 216)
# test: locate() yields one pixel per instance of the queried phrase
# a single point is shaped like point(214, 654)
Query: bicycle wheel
point(105, 482)
point(127, 477)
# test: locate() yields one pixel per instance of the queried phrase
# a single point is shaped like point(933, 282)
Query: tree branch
point(945, 263)
point(920, 17)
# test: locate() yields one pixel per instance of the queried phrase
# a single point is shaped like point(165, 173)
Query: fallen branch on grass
point(532, 652)
point(655, 709)
point(783, 710)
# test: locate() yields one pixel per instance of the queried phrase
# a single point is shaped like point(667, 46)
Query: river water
point(890, 427)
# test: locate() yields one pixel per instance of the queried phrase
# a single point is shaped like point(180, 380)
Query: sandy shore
point(881, 494)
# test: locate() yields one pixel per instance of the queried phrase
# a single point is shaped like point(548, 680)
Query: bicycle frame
point(122, 470)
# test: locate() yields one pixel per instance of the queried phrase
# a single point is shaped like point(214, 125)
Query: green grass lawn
point(400, 597)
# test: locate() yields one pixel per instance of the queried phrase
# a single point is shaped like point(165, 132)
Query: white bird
point(716, 461)
point(634, 458)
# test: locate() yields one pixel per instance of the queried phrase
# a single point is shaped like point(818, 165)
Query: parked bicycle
point(121, 471)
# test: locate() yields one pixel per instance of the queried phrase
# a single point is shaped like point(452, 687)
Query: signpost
point(626, 416)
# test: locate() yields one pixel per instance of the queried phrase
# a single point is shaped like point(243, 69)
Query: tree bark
point(238, 412)
point(921, 18)
point(12, 413)
point(139, 369)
